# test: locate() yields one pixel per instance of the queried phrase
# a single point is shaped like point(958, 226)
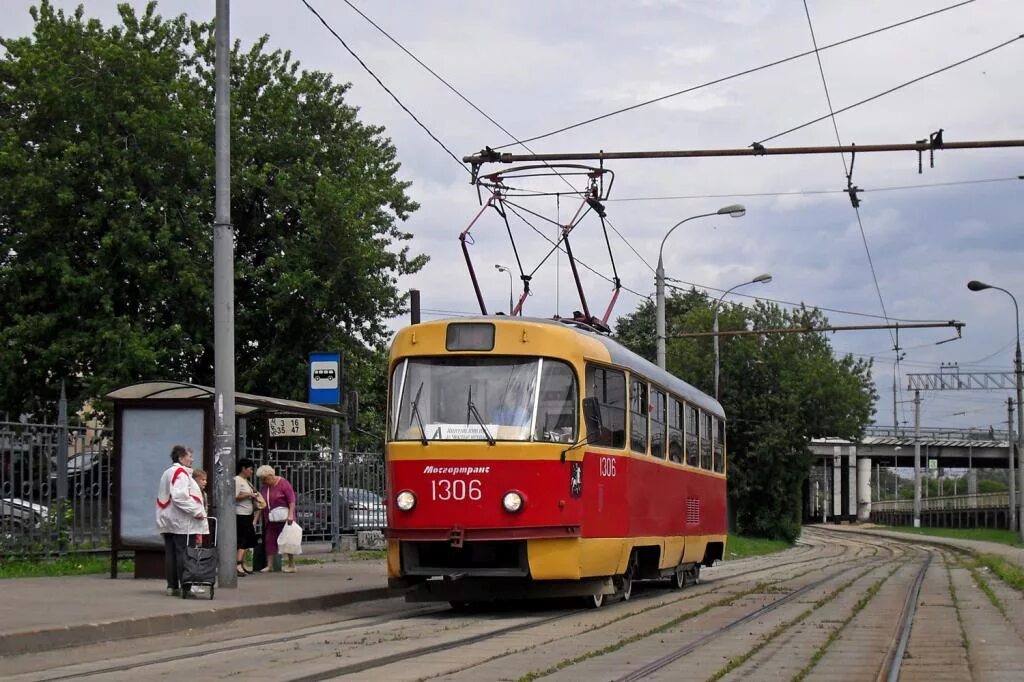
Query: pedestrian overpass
point(843, 484)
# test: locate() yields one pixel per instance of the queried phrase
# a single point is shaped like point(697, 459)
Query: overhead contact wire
point(846, 170)
point(737, 74)
point(386, 88)
point(895, 88)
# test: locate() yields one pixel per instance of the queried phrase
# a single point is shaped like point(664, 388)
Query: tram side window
point(556, 410)
point(609, 387)
point(675, 430)
point(691, 435)
point(658, 423)
point(719, 445)
point(705, 441)
point(638, 416)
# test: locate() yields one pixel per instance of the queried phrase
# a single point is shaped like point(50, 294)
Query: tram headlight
point(512, 501)
point(405, 500)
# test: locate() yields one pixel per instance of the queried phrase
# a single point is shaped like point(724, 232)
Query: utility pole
point(1012, 521)
point(224, 311)
point(917, 459)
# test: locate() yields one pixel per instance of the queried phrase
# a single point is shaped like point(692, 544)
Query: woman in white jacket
point(179, 513)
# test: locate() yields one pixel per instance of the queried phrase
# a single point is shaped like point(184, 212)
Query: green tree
point(778, 391)
point(106, 208)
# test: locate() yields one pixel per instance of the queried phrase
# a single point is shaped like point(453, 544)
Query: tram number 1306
point(445, 489)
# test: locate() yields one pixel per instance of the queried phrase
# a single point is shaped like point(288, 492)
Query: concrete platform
point(38, 614)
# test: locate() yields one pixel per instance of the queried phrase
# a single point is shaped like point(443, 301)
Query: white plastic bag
point(290, 539)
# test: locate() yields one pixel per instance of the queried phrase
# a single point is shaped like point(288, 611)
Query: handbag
point(278, 514)
point(259, 501)
point(290, 539)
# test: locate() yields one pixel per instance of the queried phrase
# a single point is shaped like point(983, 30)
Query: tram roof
point(619, 354)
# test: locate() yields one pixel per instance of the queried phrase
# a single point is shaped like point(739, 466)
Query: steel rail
point(233, 644)
point(672, 657)
point(894, 657)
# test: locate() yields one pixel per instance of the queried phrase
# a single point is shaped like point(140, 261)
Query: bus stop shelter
point(149, 419)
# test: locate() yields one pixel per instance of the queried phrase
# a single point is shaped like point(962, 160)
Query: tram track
point(625, 620)
point(724, 589)
point(666, 660)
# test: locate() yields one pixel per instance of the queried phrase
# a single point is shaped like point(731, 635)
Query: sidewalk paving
point(38, 614)
point(1012, 554)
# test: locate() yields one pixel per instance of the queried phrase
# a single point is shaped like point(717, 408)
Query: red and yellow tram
point(530, 457)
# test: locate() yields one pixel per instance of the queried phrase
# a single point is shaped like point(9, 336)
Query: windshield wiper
point(471, 410)
point(414, 407)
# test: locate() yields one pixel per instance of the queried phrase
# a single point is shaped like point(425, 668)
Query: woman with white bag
point(280, 512)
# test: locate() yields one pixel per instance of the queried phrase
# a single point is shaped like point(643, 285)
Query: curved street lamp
point(760, 279)
point(501, 268)
point(975, 285)
point(733, 211)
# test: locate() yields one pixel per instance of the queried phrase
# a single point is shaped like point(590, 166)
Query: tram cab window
point(719, 445)
point(638, 416)
point(705, 441)
point(658, 409)
point(466, 397)
point(692, 449)
point(556, 408)
point(609, 387)
point(675, 430)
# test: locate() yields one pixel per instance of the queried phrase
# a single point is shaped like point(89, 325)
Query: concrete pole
point(917, 459)
point(224, 311)
point(1020, 438)
point(1012, 520)
point(659, 283)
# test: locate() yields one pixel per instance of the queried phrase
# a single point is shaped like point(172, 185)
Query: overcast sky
point(538, 65)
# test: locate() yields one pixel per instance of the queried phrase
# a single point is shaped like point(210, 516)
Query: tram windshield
point(483, 398)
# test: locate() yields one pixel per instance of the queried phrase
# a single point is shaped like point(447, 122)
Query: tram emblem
point(575, 479)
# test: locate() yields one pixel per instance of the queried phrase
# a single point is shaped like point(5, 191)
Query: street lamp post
point(763, 278)
point(734, 211)
point(501, 268)
point(975, 285)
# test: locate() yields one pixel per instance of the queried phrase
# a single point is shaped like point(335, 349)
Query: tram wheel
point(625, 581)
point(595, 601)
point(696, 574)
point(678, 578)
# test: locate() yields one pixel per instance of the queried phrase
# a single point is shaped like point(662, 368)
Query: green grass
point(368, 554)
point(1004, 537)
point(1008, 572)
point(739, 547)
point(72, 565)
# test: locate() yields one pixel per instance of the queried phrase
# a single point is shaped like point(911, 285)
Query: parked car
point(19, 519)
point(23, 471)
point(360, 510)
point(89, 472)
point(313, 512)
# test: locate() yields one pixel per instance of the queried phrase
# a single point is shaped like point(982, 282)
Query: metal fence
point(56, 482)
point(360, 490)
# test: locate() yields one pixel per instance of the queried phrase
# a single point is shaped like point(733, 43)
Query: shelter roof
point(246, 404)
